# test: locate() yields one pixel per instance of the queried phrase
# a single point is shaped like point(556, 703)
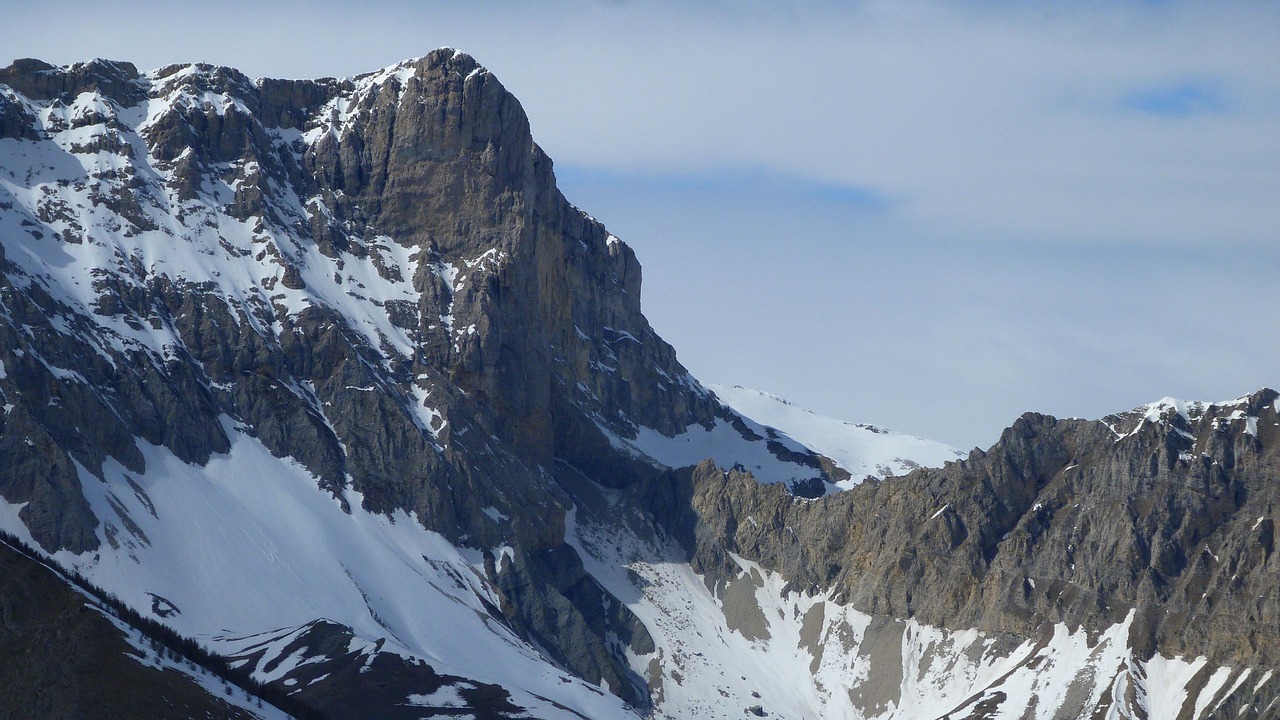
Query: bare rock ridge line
point(376, 283)
point(1168, 514)
point(376, 278)
point(510, 300)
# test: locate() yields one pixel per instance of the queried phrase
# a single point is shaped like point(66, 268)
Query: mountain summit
point(329, 377)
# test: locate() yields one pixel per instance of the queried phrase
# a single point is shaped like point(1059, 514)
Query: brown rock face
point(444, 161)
point(1067, 521)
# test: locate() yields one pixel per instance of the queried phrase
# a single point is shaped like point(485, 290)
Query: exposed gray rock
point(444, 163)
point(39, 80)
point(16, 120)
point(526, 342)
point(551, 598)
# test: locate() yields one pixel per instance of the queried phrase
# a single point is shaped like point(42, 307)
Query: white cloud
point(1002, 119)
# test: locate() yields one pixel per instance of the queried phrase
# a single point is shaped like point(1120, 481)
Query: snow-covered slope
point(329, 376)
point(759, 647)
point(249, 546)
point(862, 450)
point(776, 441)
point(114, 669)
point(733, 442)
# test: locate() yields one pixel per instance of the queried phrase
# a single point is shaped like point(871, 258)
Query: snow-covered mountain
point(861, 450)
point(328, 376)
point(279, 353)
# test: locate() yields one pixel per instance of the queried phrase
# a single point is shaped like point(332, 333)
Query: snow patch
point(444, 698)
point(722, 443)
point(862, 450)
point(251, 542)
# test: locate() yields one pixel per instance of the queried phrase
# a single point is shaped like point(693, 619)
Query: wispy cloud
point(729, 182)
point(932, 214)
point(1008, 119)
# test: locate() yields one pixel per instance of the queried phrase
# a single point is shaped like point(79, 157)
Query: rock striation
point(375, 283)
point(1163, 515)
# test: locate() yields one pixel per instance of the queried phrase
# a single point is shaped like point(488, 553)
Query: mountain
point(1115, 568)
point(864, 451)
point(334, 342)
point(328, 377)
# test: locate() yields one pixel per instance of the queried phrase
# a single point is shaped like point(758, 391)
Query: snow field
point(803, 656)
point(249, 544)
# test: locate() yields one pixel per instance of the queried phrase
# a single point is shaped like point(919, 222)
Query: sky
point(928, 215)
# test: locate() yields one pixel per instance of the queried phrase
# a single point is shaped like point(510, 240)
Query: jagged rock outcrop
point(218, 294)
point(1167, 511)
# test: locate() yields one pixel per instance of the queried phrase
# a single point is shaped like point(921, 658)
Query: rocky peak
point(375, 278)
point(39, 80)
point(1165, 511)
point(425, 172)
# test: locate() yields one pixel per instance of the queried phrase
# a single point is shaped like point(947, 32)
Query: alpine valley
point(320, 400)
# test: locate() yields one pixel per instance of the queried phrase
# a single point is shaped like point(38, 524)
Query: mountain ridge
point(864, 451)
point(182, 279)
point(331, 377)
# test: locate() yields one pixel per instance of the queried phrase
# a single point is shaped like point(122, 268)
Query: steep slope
point(65, 655)
point(274, 352)
point(864, 451)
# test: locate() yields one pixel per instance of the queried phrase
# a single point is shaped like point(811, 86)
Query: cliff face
point(330, 373)
point(376, 278)
point(406, 262)
point(1160, 520)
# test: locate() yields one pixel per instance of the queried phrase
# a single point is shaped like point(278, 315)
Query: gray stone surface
point(1062, 521)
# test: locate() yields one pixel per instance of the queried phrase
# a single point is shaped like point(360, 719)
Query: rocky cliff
point(405, 264)
point(374, 278)
point(328, 375)
point(1160, 520)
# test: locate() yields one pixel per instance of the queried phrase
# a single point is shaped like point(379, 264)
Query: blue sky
point(928, 215)
point(1179, 100)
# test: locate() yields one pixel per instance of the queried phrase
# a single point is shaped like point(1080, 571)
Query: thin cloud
point(731, 182)
point(933, 215)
